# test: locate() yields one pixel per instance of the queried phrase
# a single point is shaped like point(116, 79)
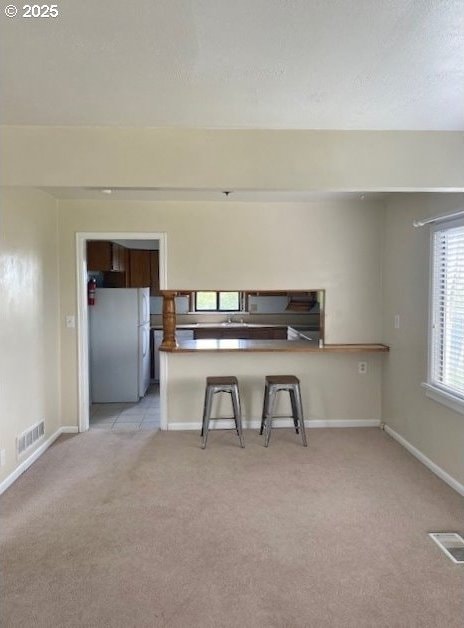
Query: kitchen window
point(214, 301)
point(446, 335)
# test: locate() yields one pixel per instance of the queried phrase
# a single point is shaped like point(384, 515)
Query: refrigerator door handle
point(145, 341)
point(145, 306)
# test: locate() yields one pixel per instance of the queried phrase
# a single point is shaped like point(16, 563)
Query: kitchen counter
point(224, 326)
point(211, 344)
point(237, 331)
point(298, 341)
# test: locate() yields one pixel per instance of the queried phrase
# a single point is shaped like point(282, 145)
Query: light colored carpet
point(146, 530)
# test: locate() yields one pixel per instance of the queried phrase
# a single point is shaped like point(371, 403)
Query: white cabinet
point(158, 339)
point(181, 334)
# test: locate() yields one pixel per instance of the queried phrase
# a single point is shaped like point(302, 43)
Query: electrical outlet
point(2, 457)
point(397, 321)
point(70, 322)
point(362, 368)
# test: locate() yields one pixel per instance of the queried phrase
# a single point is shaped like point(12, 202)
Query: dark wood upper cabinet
point(123, 267)
point(99, 255)
point(144, 270)
point(139, 269)
point(105, 256)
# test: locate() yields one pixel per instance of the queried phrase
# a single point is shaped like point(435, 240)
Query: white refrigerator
point(119, 338)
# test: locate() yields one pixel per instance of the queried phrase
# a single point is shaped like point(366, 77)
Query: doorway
point(122, 413)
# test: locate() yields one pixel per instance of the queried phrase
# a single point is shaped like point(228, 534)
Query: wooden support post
point(169, 321)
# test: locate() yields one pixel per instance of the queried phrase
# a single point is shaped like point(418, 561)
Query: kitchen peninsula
point(335, 389)
point(189, 346)
point(253, 337)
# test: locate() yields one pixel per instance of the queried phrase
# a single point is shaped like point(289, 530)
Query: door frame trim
point(83, 380)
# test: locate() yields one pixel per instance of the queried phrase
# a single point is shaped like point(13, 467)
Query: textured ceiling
point(314, 64)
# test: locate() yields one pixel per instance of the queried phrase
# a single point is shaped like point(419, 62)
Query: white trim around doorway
point(82, 314)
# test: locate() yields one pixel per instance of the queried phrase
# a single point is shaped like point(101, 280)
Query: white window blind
point(447, 309)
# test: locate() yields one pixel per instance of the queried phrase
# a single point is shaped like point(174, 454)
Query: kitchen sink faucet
point(230, 319)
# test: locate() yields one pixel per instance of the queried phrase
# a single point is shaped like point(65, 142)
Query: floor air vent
point(30, 436)
point(451, 544)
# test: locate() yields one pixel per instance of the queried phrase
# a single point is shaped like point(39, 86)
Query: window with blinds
point(447, 309)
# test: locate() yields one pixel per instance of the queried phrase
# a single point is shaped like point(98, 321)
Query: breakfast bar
point(289, 346)
point(340, 382)
point(246, 337)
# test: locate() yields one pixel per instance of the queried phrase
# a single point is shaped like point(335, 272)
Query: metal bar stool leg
point(207, 415)
point(299, 407)
point(237, 414)
point(263, 415)
point(235, 411)
point(291, 392)
point(272, 395)
point(204, 412)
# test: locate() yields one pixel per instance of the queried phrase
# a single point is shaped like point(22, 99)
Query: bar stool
point(273, 385)
point(216, 385)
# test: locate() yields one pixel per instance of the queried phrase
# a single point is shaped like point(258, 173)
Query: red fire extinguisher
point(91, 288)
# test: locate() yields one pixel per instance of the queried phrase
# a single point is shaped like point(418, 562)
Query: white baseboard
point(254, 424)
point(441, 473)
point(69, 429)
point(25, 464)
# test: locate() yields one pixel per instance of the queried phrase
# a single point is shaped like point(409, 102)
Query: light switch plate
point(70, 322)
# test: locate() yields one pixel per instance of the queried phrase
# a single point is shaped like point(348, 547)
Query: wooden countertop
point(290, 346)
point(195, 326)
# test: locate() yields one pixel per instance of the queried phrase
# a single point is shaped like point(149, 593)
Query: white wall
point(434, 429)
point(331, 387)
point(336, 246)
point(29, 328)
point(231, 159)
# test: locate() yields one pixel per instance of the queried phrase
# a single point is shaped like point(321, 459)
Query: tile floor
point(128, 417)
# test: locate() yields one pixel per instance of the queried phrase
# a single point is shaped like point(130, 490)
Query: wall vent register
point(29, 437)
point(451, 543)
